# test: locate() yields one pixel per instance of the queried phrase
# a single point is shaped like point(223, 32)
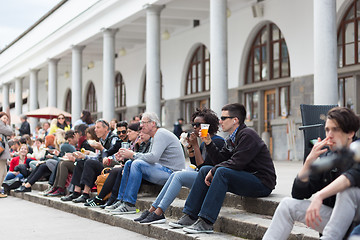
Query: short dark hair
point(236, 110)
point(39, 140)
point(345, 118)
point(81, 128)
point(209, 116)
point(69, 134)
point(122, 124)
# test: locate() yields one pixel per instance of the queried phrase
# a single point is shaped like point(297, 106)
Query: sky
point(16, 16)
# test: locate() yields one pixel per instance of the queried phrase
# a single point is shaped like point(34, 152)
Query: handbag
point(100, 180)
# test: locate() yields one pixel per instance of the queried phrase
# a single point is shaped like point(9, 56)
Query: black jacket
point(24, 128)
point(249, 153)
point(111, 144)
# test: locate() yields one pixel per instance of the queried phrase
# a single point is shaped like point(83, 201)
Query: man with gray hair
point(165, 157)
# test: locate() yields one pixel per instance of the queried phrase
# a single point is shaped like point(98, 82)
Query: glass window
point(120, 91)
point(346, 91)
point(252, 105)
point(198, 76)
point(91, 102)
point(348, 36)
point(258, 66)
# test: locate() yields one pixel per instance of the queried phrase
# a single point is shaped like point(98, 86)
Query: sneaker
point(22, 189)
point(94, 202)
point(48, 190)
point(124, 209)
point(57, 192)
point(184, 221)
point(115, 204)
point(153, 218)
point(3, 195)
point(142, 216)
point(200, 226)
point(109, 202)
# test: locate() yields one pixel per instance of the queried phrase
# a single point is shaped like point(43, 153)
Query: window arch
point(91, 102)
point(348, 36)
point(68, 101)
point(120, 91)
point(268, 56)
point(198, 74)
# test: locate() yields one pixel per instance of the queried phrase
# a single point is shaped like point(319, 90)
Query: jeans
point(172, 188)
point(10, 175)
point(124, 179)
point(206, 202)
point(289, 211)
point(154, 173)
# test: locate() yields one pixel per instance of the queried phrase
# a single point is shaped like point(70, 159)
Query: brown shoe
point(3, 195)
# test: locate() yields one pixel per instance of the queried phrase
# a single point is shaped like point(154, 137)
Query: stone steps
point(239, 218)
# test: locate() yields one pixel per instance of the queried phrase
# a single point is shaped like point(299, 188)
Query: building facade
point(120, 58)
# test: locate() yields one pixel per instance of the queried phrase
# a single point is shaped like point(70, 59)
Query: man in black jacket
point(25, 126)
point(244, 167)
point(340, 127)
point(88, 168)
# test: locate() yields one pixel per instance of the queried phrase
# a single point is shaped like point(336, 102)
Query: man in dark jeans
point(244, 168)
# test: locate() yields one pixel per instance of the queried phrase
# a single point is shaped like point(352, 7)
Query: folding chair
point(313, 120)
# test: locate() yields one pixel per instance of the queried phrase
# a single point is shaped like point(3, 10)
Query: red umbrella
point(47, 112)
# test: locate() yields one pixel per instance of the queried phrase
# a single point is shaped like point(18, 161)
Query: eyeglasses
point(61, 118)
point(223, 118)
point(143, 122)
point(196, 124)
point(122, 132)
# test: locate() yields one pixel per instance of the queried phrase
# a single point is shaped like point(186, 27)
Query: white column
point(109, 73)
point(52, 82)
point(18, 96)
point(76, 83)
point(153, 100)
point(218, 55)
point(5, 92)
point(325, 56)
point(33, 96)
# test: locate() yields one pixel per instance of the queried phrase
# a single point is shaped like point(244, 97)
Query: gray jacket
point(5, 130)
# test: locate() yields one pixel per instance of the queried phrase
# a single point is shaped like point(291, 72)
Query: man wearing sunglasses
point(244, 167)
point(122, 128)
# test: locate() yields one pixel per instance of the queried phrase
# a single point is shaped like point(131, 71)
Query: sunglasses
point(196, 124)
point(61, 118)
point(223, 118)
point(122, 132)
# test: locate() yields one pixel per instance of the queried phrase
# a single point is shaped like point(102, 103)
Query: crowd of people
point(71, 158)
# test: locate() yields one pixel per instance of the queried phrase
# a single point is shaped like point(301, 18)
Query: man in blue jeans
point(245, 169)
point(165, 157)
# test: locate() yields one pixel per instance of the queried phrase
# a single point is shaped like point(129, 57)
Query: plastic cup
point(125, 145)
point(204, 129)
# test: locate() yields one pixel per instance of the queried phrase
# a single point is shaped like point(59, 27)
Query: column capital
point(109, 31)
point(153, 8)
point(77, 47)
point(53, 60)
point(34, 70)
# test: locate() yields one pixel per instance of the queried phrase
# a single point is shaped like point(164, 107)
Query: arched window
point(268, 57)
point(68, 102)
point(197, 82)
point(91, 102)
point(198, 75)
point(120, 92)
point(267, 61)
point(348, 36)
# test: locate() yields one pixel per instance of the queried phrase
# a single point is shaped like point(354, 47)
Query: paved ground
point(286, 172)
point(21, 219)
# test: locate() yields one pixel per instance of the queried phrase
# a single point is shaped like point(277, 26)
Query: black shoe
point(109, 202)
point(23, 189)
point(153, 218)
point(70, 197)
point(81, 199)
point(94, 202)
point(143, 216)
